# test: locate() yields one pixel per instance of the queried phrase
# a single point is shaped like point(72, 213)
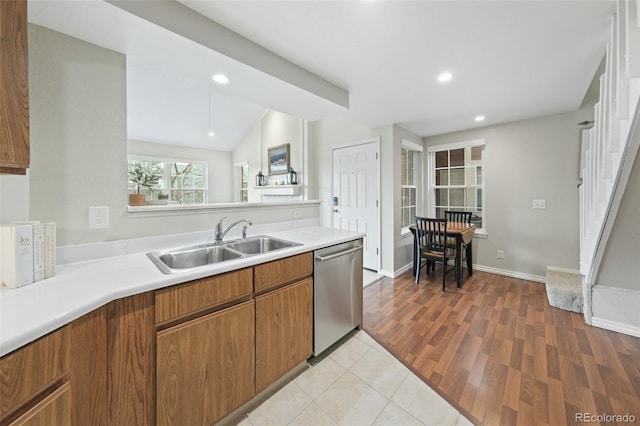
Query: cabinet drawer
point(55, 409)
point(28, 371)
point(184, 299)
point(273, 274)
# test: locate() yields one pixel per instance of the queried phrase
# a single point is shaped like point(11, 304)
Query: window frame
point(168, 161)
point(418, 179)
point(431, 177)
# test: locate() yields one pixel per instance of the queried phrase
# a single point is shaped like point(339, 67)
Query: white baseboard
point(489, 269)
point(512, 274)
point(615, 326)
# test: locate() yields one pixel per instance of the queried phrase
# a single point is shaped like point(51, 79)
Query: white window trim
point(167, 175)
point(431, 165)
point(418, 179)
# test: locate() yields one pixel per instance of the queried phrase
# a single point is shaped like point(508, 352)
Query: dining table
point(463, 233)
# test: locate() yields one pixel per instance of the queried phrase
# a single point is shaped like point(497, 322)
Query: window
point(174, 180)
point(411, 176)
point(456, 180)
point(244, 183)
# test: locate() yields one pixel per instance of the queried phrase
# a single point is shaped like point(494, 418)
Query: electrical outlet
point(500, 254)
point(98, 217)
point(539, 204)
point(297, 214)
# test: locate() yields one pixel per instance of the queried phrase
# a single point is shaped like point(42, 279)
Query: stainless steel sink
point(259, 244)
point(182, 259)
point(171, 261)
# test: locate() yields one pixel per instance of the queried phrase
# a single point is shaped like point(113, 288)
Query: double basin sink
point(185, 258)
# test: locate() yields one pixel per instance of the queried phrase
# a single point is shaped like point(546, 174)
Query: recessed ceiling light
point(220, 79)
point(444, 77)
point(211, 134)
point(479, 118)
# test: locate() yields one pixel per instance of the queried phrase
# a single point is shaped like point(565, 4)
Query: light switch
point(539, 204)
point(98, 217)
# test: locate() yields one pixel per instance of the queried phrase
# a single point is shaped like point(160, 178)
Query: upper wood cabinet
point(14, 88)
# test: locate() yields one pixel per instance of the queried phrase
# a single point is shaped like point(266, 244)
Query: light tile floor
point(359, 383)
point(370, 277)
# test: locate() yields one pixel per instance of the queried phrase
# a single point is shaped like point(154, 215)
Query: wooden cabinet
point(284, 327)
point(60, 379)
point(131, 360)
point(55, 409)
point(14, 88)
point(195, 297)
point(188, 354)
point(206, 367)
point(29, 374)
point(279, 272)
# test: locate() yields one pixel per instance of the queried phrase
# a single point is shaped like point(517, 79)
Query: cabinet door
point(284, 329)
point(206, 367)
point(14, 88)
point(55, 409)
point(29, 371)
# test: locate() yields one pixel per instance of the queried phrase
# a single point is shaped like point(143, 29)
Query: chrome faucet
point(220, 233)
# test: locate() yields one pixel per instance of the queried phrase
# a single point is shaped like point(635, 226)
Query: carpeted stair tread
point(564, 289)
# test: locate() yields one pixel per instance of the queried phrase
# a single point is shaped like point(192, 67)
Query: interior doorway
point(356, 194)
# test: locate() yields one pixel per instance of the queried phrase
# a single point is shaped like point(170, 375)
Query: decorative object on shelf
point(163, 196)
point(292, 177)
point(261, 180)
point(141, 178)
point(278, 159)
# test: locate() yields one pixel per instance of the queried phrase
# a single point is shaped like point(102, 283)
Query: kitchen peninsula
point(102, 341)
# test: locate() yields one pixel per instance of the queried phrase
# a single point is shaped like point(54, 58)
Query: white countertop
point(30, 312)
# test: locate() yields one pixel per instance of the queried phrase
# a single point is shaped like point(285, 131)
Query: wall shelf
point(278, 189)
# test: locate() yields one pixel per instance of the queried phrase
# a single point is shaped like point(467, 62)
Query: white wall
point(527, 160)
point(219, 163)
point(79, 148)
point(616, 294)
point(14, 198)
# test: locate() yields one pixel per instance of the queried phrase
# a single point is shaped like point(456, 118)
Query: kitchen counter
point(30, 312)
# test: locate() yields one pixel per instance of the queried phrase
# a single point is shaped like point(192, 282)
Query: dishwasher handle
point(341, 253)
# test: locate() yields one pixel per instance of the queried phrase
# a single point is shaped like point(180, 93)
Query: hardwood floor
point(500, 354)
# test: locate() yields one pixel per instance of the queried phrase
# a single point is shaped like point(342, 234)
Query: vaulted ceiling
point(509, 60)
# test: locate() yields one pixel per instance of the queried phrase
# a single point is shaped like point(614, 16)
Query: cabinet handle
point(333, 256)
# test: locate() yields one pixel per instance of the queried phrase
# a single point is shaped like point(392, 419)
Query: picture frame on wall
point(279, 159)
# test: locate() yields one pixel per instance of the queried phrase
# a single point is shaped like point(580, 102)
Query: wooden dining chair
point(461, 217)
point(431, 244)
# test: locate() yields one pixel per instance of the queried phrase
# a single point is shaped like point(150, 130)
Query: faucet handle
point(219, 225)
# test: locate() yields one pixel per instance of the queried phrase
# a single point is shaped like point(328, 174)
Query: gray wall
point(396, 252)
point(79, 148)
point(527, 160)
point(77, 96)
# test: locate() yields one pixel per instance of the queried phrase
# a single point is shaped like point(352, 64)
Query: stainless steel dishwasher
point(337, 293)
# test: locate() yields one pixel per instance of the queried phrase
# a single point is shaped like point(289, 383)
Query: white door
point(355, 195)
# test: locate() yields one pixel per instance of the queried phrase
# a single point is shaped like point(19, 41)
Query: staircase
point(609, 148)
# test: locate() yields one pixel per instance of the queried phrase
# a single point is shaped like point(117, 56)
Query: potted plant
point(142, 178)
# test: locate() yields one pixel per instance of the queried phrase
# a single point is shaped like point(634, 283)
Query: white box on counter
point(16, 255)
